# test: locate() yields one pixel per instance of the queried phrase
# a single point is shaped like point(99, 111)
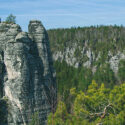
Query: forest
point(98, 38)
point(85, 97)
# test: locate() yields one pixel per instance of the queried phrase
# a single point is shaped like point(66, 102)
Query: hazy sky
point(65, 13)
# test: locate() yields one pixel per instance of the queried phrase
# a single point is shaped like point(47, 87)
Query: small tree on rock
point(11, 19)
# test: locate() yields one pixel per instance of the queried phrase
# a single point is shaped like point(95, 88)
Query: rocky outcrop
point(114, 60)
point(86, 57)
point(27, 76)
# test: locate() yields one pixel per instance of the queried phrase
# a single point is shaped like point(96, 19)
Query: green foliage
point(101, 40)
point(97, 105)
point(77, 52)
point(85, 103)
point(60, 115)
point(72, 81)
point(11, 19)
point(97, 38)
point(104, 74)
point(69, 77)
point(35, 119)
point(121, 71)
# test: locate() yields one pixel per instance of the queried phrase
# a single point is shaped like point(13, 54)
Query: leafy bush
point(35, 119)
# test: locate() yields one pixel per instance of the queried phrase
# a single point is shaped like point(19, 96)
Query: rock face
point(87, 56)
point(27, 76)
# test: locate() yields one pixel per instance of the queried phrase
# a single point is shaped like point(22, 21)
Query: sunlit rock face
point(27, 77)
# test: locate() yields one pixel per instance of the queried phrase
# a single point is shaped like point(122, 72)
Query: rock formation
point(27, 77)
point(88, 57)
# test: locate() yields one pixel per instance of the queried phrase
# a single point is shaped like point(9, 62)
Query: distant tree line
point(98, 38)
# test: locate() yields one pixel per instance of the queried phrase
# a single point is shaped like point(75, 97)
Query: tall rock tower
point(27, 77)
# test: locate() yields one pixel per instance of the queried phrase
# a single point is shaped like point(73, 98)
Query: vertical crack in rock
point(2, 73)
point(30, 83)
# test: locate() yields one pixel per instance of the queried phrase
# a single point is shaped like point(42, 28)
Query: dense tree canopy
point(101, 40)
point(80, 78)
point(96, 105)
point(98, 38)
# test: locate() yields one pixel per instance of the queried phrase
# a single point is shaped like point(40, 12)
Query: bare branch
point(102, 114)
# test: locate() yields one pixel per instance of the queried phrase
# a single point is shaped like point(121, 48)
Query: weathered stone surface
point(28, 78)
point(68, 55)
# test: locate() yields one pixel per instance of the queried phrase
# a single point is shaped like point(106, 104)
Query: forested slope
point(84, 54)
point(80, 56)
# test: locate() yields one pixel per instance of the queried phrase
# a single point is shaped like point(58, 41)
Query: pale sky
point(65, 13)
